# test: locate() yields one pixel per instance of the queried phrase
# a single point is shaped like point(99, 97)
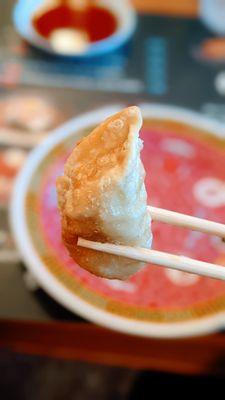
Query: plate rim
point(48, 281)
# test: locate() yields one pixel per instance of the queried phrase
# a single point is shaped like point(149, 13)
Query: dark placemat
point(25, 377)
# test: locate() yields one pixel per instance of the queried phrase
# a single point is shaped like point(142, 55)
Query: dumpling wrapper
point(102, 195)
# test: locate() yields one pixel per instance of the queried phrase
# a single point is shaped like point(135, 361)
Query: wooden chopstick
point(180, 263)
point(187, 221)
point(162, 259)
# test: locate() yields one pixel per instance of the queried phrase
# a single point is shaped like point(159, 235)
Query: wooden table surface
point(185, 8)
point(88, 342)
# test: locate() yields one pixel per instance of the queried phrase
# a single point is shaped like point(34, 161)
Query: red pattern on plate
point(174, 164)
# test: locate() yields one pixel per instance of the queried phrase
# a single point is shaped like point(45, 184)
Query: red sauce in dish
point(97, 22)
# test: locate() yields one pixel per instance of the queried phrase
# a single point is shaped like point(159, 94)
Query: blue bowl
point(124, 12)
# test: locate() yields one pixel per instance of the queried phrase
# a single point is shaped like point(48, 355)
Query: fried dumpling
point(102, 195)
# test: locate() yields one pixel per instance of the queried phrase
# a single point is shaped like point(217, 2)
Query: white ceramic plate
point(153, 302)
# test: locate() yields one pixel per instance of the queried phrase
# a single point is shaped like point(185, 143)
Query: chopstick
point(162, 259)
point(187, 221)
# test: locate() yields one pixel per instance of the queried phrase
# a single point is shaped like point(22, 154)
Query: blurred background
point(59, 59)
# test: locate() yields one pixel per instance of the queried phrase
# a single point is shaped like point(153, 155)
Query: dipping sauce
point(96, 23)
